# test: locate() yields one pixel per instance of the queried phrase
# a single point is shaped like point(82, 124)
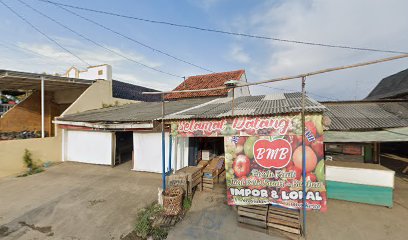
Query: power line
point(134, 40)
point(228, 32)
point(44, 34)
point(25, 50)
point(286, 78)
point(291, 90)
point(96, 43)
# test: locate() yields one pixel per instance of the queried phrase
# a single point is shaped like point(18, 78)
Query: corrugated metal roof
point(394, 86)
point(250, 106)
point(386, 135)
point(136, 112)
point(133, 92)
point(367, 115)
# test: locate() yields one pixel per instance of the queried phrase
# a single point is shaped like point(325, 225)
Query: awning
point(13, 80)
point(385, 135)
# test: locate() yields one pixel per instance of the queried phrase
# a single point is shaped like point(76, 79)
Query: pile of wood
point(166, 221)
point(269, 218)
point(212, 172)
point(255, 215)
point(284, 219)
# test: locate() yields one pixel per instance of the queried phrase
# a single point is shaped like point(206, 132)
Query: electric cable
point(308, 92)
point(96, 43)
point(227, 32)
point(44, 34)
point(134, 40)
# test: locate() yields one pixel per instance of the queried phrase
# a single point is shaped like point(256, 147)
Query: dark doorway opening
point(124, 147)
point(197, 144)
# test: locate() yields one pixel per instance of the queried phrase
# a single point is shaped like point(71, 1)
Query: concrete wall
point(42, 149)
point(95, 97)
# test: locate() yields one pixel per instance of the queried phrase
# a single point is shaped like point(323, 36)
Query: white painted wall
point(366, 176)
point(182, 153)
point(147, 152)
point(92, 73)
point(88, 147)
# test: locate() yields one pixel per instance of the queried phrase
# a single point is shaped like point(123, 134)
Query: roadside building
point(133, 132)
point(111, 136)
point(212, 80)
point(49, 96)
point(359, 130)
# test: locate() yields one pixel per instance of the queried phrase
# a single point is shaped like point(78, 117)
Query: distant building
point(391, 87)
point(212, 80)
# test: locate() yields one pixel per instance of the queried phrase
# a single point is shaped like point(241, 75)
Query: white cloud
point(205, 4)
point(238, 54)
point(43, 57)
point(372, 24)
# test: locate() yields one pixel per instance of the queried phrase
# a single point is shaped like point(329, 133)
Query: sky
point(362, 23)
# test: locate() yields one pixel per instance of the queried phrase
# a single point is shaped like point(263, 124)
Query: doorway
point(124, 147)
point(215, 145)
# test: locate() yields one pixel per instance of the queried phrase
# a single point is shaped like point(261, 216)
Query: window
point(100, 72)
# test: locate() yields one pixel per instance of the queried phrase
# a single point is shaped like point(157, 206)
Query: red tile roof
point(212, 80)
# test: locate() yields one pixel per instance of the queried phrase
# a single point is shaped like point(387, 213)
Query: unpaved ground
point(346, 220)
point(75, 201)
point(210, 218)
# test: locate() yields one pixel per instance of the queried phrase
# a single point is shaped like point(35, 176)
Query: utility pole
point(303, 158)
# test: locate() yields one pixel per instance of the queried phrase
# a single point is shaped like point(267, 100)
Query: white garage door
point(147, 152)
point(88, 147)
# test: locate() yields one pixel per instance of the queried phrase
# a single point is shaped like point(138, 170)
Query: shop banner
point(263, 158)
point(241, 126)
point(268, 169)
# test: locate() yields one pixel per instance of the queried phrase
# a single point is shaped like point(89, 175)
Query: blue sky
point(365, 23)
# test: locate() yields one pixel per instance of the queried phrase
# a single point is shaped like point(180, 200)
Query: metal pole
point(303, 158)
point(233, 103)
point(170, 150)
point(42, 108)
point(163, 148)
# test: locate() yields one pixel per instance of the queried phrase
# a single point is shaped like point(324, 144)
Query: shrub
point(159, 233)
point(28, 160)
point(187, 203)
point(144, 221)
point(32, 167)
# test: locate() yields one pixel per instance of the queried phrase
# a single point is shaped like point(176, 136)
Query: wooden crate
point(191, 172)
point(284, 219)
point(202, 164)
point(208, 183)
point(254, 215)
point(222, 176)
point(166, 221)
point(209, 172)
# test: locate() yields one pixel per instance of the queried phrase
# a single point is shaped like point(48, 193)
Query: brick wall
point(26, 116)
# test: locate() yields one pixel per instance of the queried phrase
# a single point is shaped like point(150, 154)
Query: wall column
point(42, 108)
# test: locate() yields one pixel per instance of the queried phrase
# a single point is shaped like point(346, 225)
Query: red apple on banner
point(311, 159)
point(272, 154)
point(241, 166)
point(317, 147)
